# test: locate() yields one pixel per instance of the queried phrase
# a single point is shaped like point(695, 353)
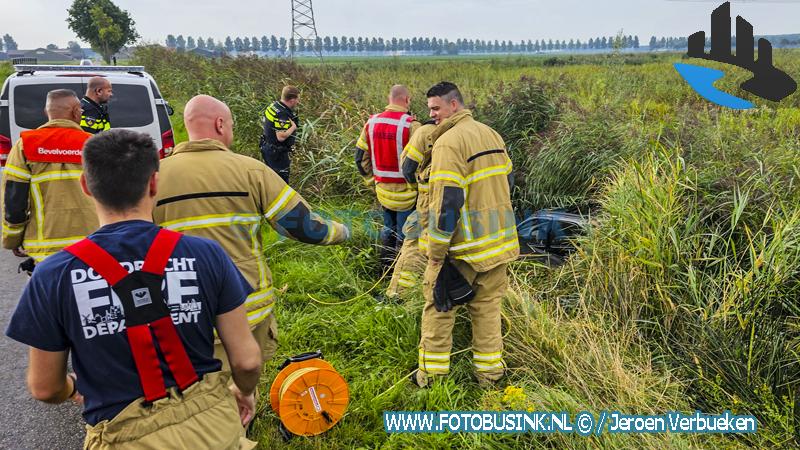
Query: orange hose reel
point(309, 395)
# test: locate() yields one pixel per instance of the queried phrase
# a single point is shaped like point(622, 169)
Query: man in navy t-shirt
point(68, 308)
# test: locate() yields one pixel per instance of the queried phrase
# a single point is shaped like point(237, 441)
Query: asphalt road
point(25, 423)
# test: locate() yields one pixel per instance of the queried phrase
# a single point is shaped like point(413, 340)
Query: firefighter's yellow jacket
point(44, 207)
point(470, 217)
point(207, 190)
point(416, 165)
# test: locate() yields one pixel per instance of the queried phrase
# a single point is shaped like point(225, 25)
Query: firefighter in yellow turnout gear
point(410, 262)
point(44, 209)
point(415, 162)
point(207, 190)
point(470, 225)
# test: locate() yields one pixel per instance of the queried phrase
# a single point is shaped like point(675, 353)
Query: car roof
point(112, 72)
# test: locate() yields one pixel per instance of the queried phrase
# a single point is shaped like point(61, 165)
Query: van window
point(163, 118)
point(163, 114)
point(29, 102)
point(156, 92)
point(130, 107)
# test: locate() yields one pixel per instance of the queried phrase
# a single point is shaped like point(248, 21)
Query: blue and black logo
point(768, 82)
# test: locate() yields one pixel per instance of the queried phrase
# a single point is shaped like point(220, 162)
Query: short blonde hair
point(290, 93)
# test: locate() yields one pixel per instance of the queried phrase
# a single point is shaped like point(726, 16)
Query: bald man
point(95, 105)
point(377, 159)
point(44, 208)
point(207, 190)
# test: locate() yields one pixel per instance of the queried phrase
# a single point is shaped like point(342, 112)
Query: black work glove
point(451, 288)
point(441, 300)
point(27, 266)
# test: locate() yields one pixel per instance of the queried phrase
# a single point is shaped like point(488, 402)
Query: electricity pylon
point(304, 29)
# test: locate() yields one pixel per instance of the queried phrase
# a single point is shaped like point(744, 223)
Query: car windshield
point(130, 107)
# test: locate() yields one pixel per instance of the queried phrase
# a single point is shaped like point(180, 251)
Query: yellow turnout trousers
point(411, 261)
point(204, 417)
point(484, 310)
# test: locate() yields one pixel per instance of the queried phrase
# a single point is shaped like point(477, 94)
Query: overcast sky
point(36, 23)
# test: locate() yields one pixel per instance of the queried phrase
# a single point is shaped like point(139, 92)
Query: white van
point(136, 105)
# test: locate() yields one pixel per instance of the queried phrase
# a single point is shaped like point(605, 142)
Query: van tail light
point(5, 149)
point(167, 143)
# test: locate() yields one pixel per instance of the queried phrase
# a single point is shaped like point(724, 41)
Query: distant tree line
point(335, 44)
point(671, 43)
point(8, 43)
point(682, 43)
point(73, 46)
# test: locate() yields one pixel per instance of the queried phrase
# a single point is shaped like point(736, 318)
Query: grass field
point(682, 297)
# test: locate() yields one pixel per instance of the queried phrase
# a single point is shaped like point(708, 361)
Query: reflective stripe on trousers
point(484, 310)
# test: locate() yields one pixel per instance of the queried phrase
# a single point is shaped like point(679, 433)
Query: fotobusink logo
point(768, 82)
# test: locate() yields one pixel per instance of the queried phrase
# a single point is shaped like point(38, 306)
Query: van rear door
point(132, 106)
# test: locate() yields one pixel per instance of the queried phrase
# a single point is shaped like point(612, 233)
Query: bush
point(566, 167)
point(519, 110)
point(248, 86)
point(718, 303)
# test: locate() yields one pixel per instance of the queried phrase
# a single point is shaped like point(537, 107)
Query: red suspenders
point(145, 310)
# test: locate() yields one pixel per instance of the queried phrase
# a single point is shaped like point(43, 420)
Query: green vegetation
point(333, 45)
point(5, 70)
point(682, 297)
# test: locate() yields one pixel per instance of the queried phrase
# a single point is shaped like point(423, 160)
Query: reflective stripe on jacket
point(94, 117)
point(278, 117)
point(470, 214)
point(418, 150)
point(44, 207)
point(206, 190)
point(387, 135)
